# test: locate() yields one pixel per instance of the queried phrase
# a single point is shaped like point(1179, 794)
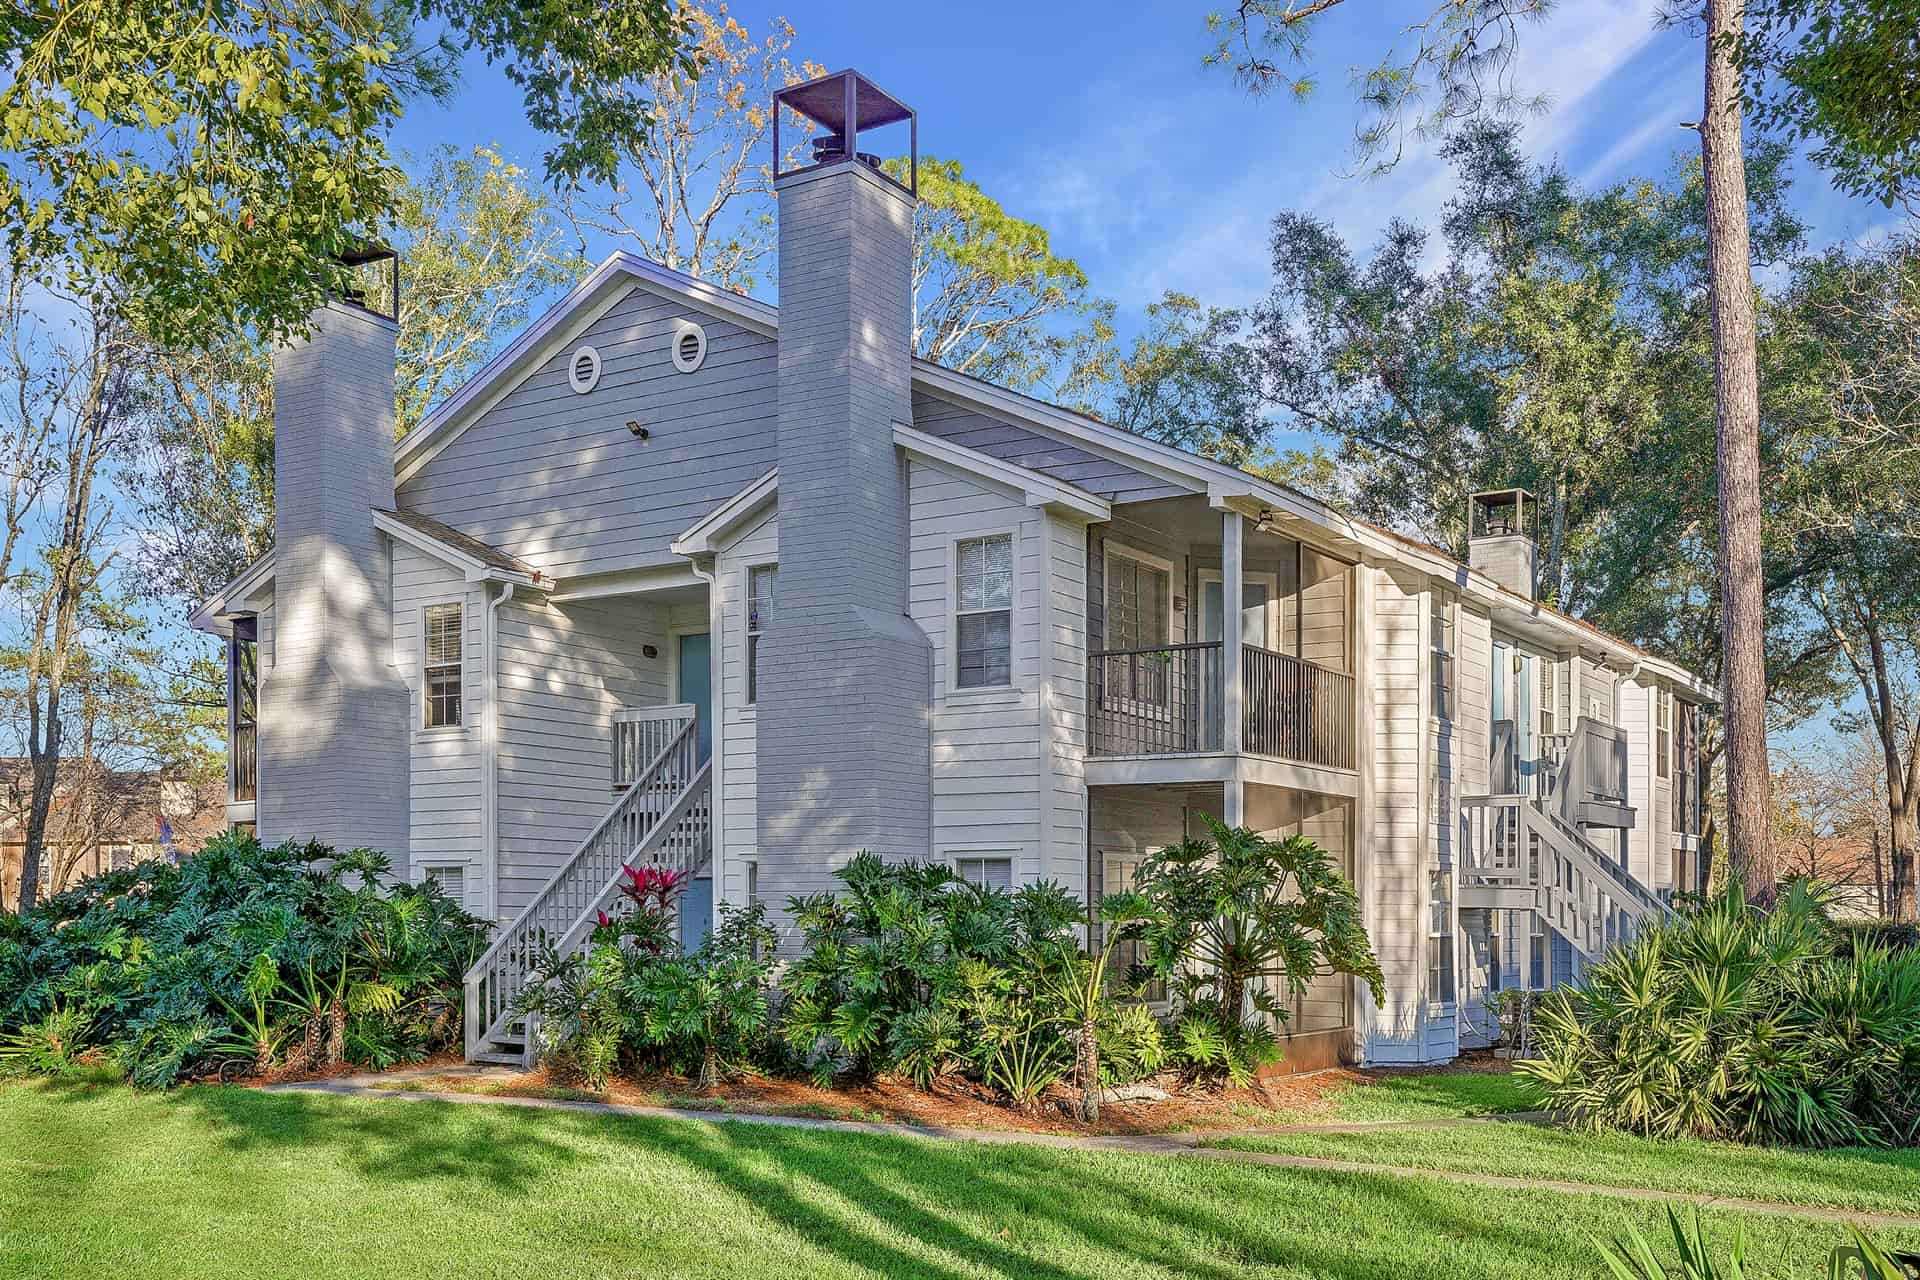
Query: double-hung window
point(1663, 734)
point(761, 579)
point(1446, 627)
point(985, 872)
point(442, 701)
point(1439, 939)
point(983, 612)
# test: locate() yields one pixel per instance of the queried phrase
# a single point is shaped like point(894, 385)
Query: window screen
point(1137, 597)
point(761, 579)
point(988, 873)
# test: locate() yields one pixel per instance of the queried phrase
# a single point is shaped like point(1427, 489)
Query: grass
point(1430, 1097)
point(1852, 1179)
point(101, 1180)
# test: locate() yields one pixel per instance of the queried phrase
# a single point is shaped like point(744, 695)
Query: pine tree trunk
point(1903, 846)
point(1736, 396)
point(1089, 1054)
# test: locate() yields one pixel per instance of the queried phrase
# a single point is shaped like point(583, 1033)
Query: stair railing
point(665, 810)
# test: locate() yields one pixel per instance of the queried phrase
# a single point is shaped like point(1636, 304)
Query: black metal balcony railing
point(245, 763)
point(1295, 709)
point(1150, 702)
point(1172, 699)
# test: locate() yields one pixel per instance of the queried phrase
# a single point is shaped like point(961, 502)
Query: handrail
point(661, 806)
point(639, 734)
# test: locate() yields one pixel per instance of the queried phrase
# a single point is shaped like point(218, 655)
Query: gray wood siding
point(1397, 868)
point(1064, 730)
point(1112, 480)
point(737, 720)
point(445, 813)
point(988, 778)
point(557, 478)
point(564, 670)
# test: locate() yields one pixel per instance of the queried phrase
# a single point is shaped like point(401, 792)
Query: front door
point(1513, 701)
point(695, 686)
point(1255, 597)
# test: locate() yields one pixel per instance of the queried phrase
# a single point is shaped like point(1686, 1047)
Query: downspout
point(490, 753)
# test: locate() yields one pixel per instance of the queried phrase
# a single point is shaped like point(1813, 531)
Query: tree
point(1192, 381)
point(1458, 70)
point(479, 248)
point(692, 193)
point(210, 162)
point(990, 296)
point(1845, 75)
point(72, 381)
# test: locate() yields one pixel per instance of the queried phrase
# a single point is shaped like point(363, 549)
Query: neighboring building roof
point(1224, 485)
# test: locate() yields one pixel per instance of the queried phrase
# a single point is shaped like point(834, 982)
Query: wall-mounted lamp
point(639, 432)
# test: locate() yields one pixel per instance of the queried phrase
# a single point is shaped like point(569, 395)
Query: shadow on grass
point(914, 1207)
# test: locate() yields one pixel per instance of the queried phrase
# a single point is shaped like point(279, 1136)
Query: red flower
point(605, 919)
point(651, 886)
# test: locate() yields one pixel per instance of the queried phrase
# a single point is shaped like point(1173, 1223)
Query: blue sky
point(1100, 122)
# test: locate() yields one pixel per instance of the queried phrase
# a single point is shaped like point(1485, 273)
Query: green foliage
point(232, 955)
point(1132, 1044)
point(52, 1046)
point(1633, 1257)
point(1192, 381)
point(1841, 74)
point(1731, 1022)
point(709, 1010)
point(209, 162)
point(1237, 919)
point(903, 970)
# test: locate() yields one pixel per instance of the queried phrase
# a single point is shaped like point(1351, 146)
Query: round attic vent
point(689, 345)
point(583, 370)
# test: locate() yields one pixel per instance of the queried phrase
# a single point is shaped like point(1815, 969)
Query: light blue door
point(696, 686)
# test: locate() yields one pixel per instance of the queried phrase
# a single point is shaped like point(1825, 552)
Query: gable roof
point(710, 532)
point(1225, 486)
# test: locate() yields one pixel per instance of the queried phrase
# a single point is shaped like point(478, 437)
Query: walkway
point(1191, 1145)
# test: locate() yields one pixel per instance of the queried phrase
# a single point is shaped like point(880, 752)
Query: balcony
point(244, 764)
point(1172, 700)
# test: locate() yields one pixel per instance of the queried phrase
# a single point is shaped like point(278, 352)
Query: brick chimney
point(1500, 539)
point(845, 675)
point(333, 716)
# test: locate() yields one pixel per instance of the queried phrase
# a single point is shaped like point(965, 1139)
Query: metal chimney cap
point(845, 104)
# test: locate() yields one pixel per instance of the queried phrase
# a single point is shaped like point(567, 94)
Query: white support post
point(1232, 576)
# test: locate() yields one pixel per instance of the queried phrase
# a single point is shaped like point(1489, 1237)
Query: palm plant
point(1234, 916)
point(1080, 981)
point(1735, 1022)
point(713, 1005)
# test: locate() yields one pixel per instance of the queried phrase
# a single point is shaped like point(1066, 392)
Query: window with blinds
point(1446, 627)
point(452, 879)
point(761, 580)
point(442, 699)
point(983, 612)
point(1663, 734)
point(1440, 989)
point(1137, 596)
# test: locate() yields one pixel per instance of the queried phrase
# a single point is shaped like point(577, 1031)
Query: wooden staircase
point(664, 818)
point(1524, 848)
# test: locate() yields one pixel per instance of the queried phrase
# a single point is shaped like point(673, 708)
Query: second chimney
point(1500, 539)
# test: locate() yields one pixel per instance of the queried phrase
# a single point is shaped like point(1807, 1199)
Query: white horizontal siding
point(738, 723)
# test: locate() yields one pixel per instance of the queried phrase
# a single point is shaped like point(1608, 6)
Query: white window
point(1439, 939)
point(1446, 627)
point(1118, 873)
point(442, 700)
point(761, 580)
point(986, 872)
point(1663, 734)
point(983, 612)
point(753, 884)
point(452, 879)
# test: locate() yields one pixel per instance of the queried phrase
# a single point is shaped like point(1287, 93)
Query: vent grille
point(583, 370)
point(689, 346)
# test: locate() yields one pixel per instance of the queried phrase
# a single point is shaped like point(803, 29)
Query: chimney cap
point(1497, 513)
point(844, 104)
point(366, 251)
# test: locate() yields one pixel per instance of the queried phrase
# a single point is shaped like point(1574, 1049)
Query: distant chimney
point(1500, 538)
point(333, 717)
point(844, 674)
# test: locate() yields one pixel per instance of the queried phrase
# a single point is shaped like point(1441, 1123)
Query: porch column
point(1232, 576)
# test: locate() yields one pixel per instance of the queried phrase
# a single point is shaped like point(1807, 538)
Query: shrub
point(1633, 1257)
point(710, 1009)
point(914, 970)
point(1238, 920)
point(228, 958)
point(1732, 1022)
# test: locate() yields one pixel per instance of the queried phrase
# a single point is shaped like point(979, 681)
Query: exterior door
point(1513, 701)
point(694, 677)
point(1256, 595)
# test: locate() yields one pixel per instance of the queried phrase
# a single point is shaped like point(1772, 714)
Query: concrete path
point(1190, 1145)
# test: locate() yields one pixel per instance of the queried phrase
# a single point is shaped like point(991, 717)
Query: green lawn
point(103, 1181)
point(1429, 1097)
point(1852, 1179)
